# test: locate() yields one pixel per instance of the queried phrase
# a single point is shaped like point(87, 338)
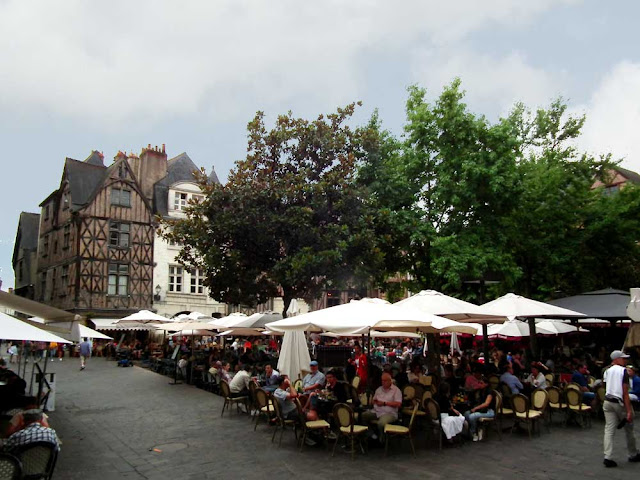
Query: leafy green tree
point(290, 220)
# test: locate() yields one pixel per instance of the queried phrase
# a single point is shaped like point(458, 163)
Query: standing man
point(85, 352)
point(617, 408)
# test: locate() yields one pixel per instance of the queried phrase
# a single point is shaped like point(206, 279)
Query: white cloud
point(493, 84)
point(613, 116)
point(109, 62)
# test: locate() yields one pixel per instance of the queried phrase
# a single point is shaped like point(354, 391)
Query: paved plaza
point(111, 419)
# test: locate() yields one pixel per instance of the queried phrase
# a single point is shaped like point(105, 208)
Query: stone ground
point(110, 419)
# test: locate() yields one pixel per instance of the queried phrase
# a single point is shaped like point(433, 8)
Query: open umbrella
point(13, 329)
point(257, 320)
point(557, 327)
point(454, 345)
point(513, 329)
point(512, 305)
point(228, 321)
point(144, 316)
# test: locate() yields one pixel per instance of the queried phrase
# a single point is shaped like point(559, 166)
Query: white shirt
point(539, 381)
point(613, 379)
point(240, 381)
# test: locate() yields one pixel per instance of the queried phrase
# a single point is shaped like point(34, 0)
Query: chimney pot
point(163, 150)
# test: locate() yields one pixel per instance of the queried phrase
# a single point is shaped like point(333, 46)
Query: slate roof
point(96, 158)
point(27, 234)
point(630, 175)
point(213, 176)
point(179, 169)
point(607, 304)
point(83, 179)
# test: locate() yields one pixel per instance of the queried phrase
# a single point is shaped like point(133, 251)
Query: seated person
point(580, 377)
point(17, 422)
point(284, 394)
point(452, 420)
point(509, 379)
point(314, 380)
point(536, 378)
point(223, 371)
point(386, 402)
point(33, 431)
point(415, 374)
point(634, 391)
point(271, 376)
point(451, 379)
point(239, 385)
point(337, 392)
point(474, 382)
point(12, 392)
point(485, 408)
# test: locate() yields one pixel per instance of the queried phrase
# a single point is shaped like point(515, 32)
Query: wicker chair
point(494, 381)
point(556, 402)
point(264, 406)
point(282, 423)
point(549, 378)
point(356, 381)
point(522, 413)
point(576, 408)
point(311, 426)
point(343, 415)
point(38, 460)
point(10, 467)
point(435, 422)
point(506, 396)
point(229, 400)
point(540, 401)
point(392, 430)
point(408, 393)
point(496, 421)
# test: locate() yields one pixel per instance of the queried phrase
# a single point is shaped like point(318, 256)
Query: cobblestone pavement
point(110, 419)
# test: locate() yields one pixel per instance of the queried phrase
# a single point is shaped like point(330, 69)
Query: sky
point(77, 76)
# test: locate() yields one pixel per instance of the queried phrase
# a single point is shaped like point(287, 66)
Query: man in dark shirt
point(580, 377)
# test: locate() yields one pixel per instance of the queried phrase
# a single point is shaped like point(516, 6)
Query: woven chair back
point(416, 404)
point(36, 458)
point(549, 378)
point(494, 381)
point(277, 408)
point(262, 399)
point(553, 394)
point(600, 393)
point(343, 415)
point(506, 391)
point(426, 395)
point(224, 388)
point(574, 397)
point(520, 403)
point(539, 399)
point(572, 386)
point(433, 409)
point(409, 392)
point(498, 397)
point(356, 381)
point(10, 467)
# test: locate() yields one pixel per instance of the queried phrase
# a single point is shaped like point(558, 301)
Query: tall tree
point(290, 219)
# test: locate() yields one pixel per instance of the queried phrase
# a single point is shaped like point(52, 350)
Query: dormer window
point(180, 201)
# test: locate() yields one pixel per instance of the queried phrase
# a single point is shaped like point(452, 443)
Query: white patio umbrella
point(359, 316)
point(374, 334)
point(177, 326)
point(13, 329)
point(558, 327)
point(436, 303)
point(454, 345)
point(257, 320)
point(513, 305)
point(228, 321)
point(144, 316)
point(513, 329)
point(190, 332)
point(294, 354)
point(294, 308)
point(76, 331)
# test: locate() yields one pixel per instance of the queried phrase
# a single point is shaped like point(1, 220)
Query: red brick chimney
point(152, 168)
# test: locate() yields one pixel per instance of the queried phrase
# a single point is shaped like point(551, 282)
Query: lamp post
point(156, 297)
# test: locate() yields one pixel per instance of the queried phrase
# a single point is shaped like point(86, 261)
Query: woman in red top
point(362, 367)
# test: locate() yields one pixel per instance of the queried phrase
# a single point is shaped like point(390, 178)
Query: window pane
point(113, 239)
point(123, 269)
point(125, 198)
point(124, 239)
point(112, 285)
point(115, 196)
point(113, 268)
point(124, 227)
point(122, 287)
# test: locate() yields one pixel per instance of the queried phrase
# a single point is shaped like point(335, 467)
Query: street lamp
point(156, 297)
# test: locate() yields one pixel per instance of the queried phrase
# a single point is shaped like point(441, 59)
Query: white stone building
point(176, 289)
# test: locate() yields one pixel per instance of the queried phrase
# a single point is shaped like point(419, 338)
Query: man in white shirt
point(536, 379)
point(618, 412)
point(239, 385)
point(386, 402)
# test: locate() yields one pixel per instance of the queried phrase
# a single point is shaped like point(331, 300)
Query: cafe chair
point(539, 401)
point(282, 423)
point(343, 415)
point(494, 381)
point(356, 381)
point(523, 414)
point(38, 460)
point(496, 421)
point(307, 426)
point(556, 402)
point(229, 400)
point(264, 407)
point(506, 397)
point(391, 430)
point(572, 386)
point(408, 393)
point(434, 426)
point(10, 467)
point(549, 378)
point(600, 393)
point(575, 407)
point(353, 394)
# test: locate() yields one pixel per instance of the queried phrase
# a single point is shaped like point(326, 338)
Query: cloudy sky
point(118, 75)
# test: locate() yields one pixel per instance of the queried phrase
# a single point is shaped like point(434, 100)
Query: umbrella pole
point(533, 339)
point(485, 343)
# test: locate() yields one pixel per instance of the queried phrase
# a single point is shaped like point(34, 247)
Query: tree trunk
point(286, 298)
